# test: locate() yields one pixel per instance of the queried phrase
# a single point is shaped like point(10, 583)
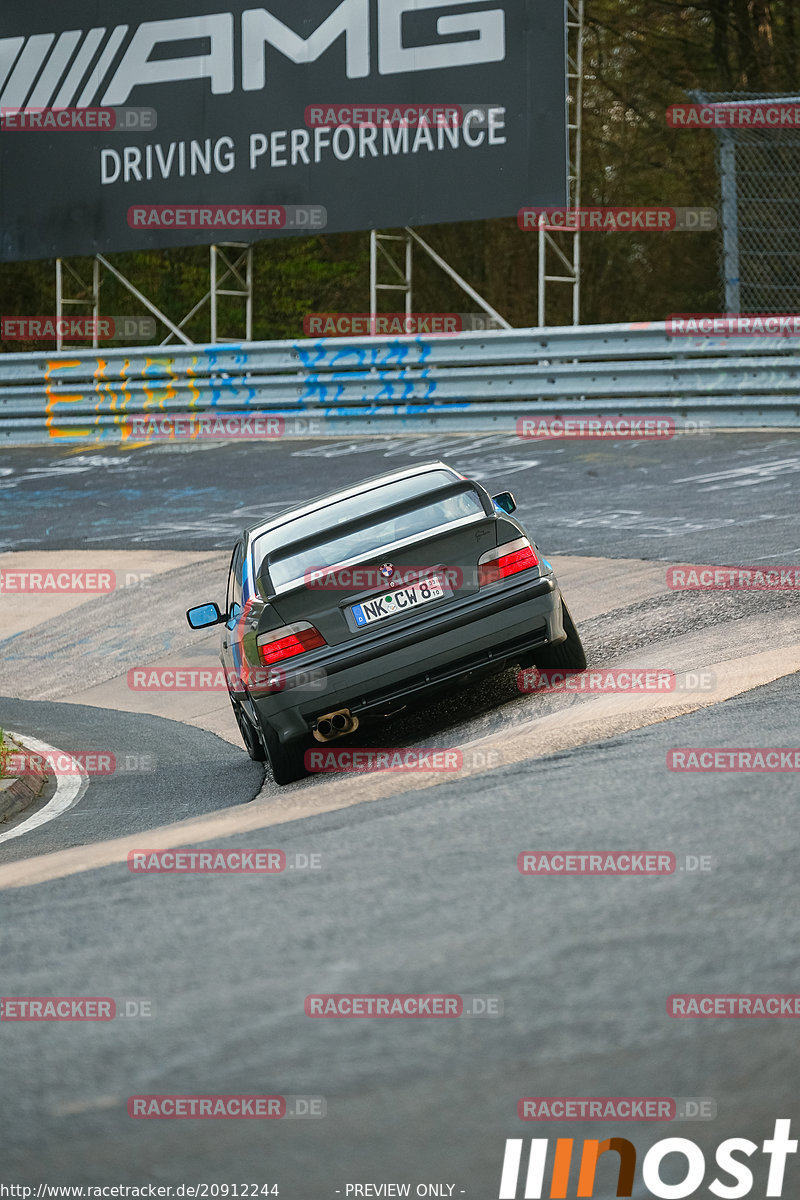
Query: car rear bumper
point(376, 673)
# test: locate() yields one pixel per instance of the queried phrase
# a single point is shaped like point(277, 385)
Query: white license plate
point(399, 600)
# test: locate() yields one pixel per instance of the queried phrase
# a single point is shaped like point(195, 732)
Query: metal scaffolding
point(562, 247)
point(88, 297)
point(223, 266)
point(241, 270)
point(559, 257)
point(400, 274)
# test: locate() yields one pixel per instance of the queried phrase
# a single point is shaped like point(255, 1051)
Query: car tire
point(568, 655)
point(287, 760)
point(253, 741)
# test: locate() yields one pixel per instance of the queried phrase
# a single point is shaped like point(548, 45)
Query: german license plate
point(399, 600)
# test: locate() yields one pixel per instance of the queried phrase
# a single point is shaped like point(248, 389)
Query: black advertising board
point(288, 118)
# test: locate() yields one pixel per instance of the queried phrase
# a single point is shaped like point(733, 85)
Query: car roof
point(374, 481)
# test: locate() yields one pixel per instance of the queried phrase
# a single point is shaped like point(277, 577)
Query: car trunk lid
point(407, 550)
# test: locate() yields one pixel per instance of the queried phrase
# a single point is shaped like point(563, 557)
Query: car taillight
point(506, 560)
point(280, 644)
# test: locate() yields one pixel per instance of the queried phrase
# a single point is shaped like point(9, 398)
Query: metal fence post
point(730, 221)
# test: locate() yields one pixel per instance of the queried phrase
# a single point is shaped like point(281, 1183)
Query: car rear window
point(364, 540)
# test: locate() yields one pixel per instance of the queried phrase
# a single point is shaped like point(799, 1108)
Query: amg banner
point(122, 128)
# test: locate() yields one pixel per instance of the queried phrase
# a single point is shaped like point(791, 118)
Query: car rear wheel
point(286, 759)
point(566, 655)
point(253, 742)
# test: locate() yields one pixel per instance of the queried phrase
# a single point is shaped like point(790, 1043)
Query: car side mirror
point(505, 502)
point(203, 616)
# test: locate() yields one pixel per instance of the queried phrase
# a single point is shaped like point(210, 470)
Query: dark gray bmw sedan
point(362, 601)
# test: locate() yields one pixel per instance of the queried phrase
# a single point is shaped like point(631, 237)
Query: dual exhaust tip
point(334, 725)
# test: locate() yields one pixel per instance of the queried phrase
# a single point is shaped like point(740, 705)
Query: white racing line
point(69, 789)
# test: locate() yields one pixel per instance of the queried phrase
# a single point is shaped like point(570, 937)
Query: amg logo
point(476, 37)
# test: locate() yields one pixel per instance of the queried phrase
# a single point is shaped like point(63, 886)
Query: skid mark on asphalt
point(94, 645)
point(744, 476)
point(22, 610)
point(587, 721)
point(71, 647)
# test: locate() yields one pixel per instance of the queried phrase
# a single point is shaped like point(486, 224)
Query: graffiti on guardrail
point(372, 375)
point(375, 372)
point(119, 390)
point(404, 383)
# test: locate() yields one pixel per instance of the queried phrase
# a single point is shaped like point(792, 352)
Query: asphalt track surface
point(692, 498)
point(164, 769)
point(418, 889)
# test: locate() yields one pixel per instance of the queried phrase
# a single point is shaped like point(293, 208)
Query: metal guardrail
point(473, 381)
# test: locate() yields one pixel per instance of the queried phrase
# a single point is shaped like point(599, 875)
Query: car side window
point(234, 593)
point(238, 567)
